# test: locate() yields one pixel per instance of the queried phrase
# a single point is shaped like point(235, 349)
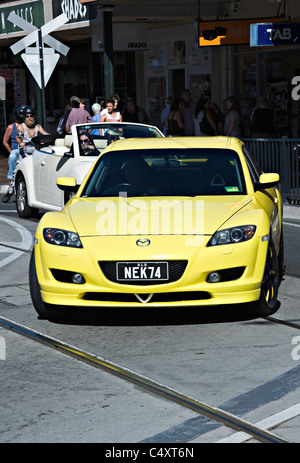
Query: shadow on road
point(151, 316)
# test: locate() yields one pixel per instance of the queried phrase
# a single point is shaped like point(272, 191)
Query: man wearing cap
point(77, 115)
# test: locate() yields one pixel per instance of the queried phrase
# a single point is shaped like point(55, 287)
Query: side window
point(252, 166)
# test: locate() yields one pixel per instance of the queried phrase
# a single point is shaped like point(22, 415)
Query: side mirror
point(267, 181)
point(67, 184)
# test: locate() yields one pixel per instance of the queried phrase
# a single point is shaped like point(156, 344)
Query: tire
point(45, 311)
point(35, 291)
point(268, 303)
point(23, 208)
point(281, 258)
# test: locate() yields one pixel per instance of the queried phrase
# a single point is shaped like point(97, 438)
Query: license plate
point(146, 271)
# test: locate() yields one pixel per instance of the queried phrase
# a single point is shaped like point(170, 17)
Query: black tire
point(35, 291)
point(268, 303)
point(24, 210)
point(281, 258)
point(45, 311)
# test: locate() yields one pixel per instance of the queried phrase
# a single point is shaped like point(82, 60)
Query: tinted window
point(167, 172)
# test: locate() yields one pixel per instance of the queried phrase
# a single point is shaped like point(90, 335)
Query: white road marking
point(267, 423)
point(292, 224)
point(10, 247)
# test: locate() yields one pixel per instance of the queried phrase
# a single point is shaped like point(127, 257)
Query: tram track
point(282, 322)
point(214, 413)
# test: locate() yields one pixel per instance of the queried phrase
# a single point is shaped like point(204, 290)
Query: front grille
point(180, 296)
point(176, 270)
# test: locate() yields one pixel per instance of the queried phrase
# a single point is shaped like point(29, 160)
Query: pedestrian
point(263, 120)
point(111, 115)
point(208, 125)
point(174, 122)
point(214, 110)
point(198, 117)
point(96, 109)
point(77, 115)
point(232, 119)
point(102, 104)
point(188, 113)
point(134, 113)
point(28, 130)
point(116, 99)
point(10, 139)
point(61, 126)
point(82, 103)
point(165, 112)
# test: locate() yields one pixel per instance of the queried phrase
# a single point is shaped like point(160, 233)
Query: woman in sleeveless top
point(111, 115)
point(174, 122)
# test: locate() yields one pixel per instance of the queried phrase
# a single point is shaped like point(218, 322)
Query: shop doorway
point(178, 81)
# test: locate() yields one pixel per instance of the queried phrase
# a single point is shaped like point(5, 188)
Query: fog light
point(77, 278)
point(214, 277)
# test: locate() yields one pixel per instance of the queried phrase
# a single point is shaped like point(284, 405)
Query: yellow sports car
point(163, 222)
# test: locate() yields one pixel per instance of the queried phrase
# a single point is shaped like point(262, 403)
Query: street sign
point(39, 57)
point(32, 60)
point(40, 60)
point(269, 34)
point(33, 36)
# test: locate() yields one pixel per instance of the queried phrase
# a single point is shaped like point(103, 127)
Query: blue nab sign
point(269, 34)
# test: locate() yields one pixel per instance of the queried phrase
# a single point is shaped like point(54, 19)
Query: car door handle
point(43, 163)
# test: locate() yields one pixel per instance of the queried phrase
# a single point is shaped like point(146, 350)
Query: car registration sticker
point(146, 271)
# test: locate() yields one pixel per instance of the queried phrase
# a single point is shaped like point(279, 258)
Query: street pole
point(109, 78)
point(41, 54)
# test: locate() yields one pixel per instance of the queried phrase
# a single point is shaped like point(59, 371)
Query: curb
point(3, 188)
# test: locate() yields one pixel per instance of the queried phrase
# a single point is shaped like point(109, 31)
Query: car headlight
point(232, 235)
point(62, 237)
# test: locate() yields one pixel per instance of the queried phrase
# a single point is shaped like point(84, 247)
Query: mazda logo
point(143, 242)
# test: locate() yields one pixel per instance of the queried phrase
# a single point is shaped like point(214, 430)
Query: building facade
point(159, 49)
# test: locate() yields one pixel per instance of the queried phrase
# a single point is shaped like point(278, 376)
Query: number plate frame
point(142, 271)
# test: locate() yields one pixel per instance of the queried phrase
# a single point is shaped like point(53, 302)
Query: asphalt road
point(228, 359)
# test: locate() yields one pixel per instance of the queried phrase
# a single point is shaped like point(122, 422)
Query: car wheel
point(281, 258)
point(23, 208)
point(35, 291)
point(268, 303)
point(45, 311)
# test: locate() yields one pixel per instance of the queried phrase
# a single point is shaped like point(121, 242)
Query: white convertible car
point(68, 156)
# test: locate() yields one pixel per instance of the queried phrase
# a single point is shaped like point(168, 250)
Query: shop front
point(173, 63)
point(255, 73)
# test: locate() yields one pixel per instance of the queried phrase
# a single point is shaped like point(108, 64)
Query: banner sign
point(74, 10)
point(33, 12)
point(269, 34)
point(227, 32)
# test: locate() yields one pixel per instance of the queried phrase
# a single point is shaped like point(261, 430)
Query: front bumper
point(191, 289)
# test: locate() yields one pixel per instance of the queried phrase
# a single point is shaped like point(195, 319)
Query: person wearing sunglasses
point(27, 130)
point(87, 147)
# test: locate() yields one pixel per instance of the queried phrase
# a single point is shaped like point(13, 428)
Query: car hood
point(153, 216)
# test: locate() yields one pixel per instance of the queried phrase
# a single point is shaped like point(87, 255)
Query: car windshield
point(97, 136)
point(167, 172)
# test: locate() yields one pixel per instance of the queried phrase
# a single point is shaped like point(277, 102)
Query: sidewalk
point(289, 212)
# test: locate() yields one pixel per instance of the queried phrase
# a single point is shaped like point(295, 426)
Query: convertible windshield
point(102, 134)
point(167, 172)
